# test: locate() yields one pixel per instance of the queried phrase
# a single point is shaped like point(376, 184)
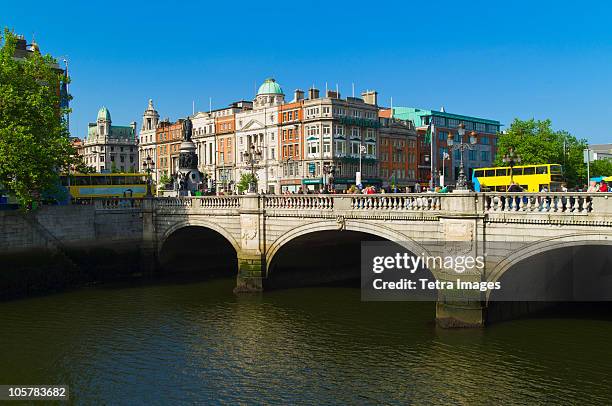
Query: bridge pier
point(460, 314)
point(251, 260)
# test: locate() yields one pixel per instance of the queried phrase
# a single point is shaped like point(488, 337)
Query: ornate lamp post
point(511, 159)
point(252, 157)
point(461, 147)
point(148, 164)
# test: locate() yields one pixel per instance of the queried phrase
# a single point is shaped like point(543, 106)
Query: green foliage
point(601, 167)
point(537, 143)
point(164, 180)
point(245, 179)
point(34, 145)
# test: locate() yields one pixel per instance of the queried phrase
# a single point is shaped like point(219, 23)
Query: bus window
point(501, 172)
point(489, 172)
point(478, 173)
point(517, 171)
point(555, 169)
point(64, 180)
point(81, 180)
point(530, 170)
point(117, 180)
point(98, 180)
point(542, 170)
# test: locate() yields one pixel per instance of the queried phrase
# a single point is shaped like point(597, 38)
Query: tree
point(245, 179)
point(537, 143)
point(34, 144)
point(601, 167)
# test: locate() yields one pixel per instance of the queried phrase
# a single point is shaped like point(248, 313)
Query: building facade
point(147, 146)
point(397, 152)
point(258, 127)
point(168, 138)
point(482, 155)
point(110, 148)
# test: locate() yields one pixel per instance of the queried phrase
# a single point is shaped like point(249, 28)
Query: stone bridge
point(518, 225)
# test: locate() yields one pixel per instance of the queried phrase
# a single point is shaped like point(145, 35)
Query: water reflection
point(199, 343)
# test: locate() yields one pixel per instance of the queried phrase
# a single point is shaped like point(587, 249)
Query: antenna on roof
point(193, 107)
point(353, 84)
point(391, 106)
point(210, 105)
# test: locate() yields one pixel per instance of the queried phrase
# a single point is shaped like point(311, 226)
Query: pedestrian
point(417, 188)
point(603, 187)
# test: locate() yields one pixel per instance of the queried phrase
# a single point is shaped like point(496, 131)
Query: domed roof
point(269, 86)
point(104, 114)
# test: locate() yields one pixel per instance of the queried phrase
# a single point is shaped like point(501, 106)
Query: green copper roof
point(269, 86)
point(104, 114)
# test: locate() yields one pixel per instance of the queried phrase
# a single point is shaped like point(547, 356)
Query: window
point(326, 110)
point(442, 135)
point(339, 129)
point(370, 133)
point(326, 129)
point(529, 170)
point(501, 172)
point(355, 147)
point(313, 147)
point(481, 127)
point(439, 121)
point(371, 149)
point(355, 132)
point(340, 148)
point(326, 147)
point(489, 173)
point(457, 155)
point(452, 123)
point(472, 155)
point(542, 170)
point(484, 140)
point(484, 155)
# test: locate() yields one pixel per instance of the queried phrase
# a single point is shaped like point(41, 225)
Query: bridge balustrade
point(300, 202)
point(117, 203)
point(397, 202)
point(551, 202)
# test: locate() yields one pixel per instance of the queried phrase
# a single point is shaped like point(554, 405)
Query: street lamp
point(511, 159)
point(461, 147)
point(148, 164)
point(252, 158)
point(362, 150)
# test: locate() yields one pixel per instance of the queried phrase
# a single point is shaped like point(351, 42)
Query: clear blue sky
point(542, 59)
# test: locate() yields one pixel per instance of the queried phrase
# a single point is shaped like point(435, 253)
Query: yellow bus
point(87, 186)
point(532, 178)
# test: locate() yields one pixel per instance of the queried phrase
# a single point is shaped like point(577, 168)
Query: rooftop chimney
point(313, 93)
point(298, 95)
point(370, 97)
point(332, 94)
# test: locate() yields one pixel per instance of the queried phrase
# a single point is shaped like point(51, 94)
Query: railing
point(117, 203)
point(300, 202)
point(397, 202)
point(551, 202)
point(210, 202)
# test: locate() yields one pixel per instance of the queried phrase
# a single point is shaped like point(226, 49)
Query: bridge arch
point(551, 244)
point(352, 225)
point(196, 222)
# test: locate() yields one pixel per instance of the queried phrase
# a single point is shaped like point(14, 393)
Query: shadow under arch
point(198, 248)
point(532, 250)
point(197, 223)
point(565, 275)
point(323, 254)
point(383, 232)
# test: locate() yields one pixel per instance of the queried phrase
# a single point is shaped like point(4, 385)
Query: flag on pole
point(430, 132)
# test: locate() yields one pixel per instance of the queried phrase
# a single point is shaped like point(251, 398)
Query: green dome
point(104, 114)
point(269, 86)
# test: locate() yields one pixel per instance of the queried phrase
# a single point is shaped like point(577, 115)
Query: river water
point(198, 343)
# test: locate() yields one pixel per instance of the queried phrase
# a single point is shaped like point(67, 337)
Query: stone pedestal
point(460, 315)
point(188, 175)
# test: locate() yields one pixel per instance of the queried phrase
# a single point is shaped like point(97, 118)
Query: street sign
point(587, 155)
point(358, 178)
point(311, 167)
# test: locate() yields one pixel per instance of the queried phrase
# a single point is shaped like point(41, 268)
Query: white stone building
point(259, 127)
point(109, 147)
point(147, 146)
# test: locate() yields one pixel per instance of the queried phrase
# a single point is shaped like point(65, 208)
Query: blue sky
point(521, 59)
